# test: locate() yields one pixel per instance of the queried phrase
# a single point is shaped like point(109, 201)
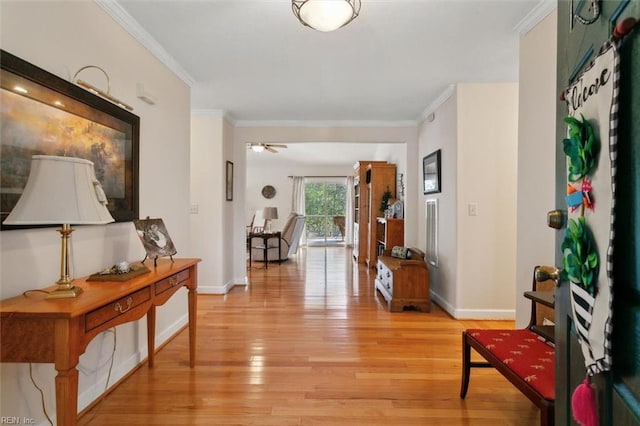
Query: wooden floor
point(308, 342)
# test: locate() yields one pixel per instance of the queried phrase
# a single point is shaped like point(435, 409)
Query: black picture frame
point(44, 114)
point(432, 173)
point(229, 181)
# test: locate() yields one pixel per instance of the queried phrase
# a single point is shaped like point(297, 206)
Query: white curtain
point(297, 202)
point(349, 213)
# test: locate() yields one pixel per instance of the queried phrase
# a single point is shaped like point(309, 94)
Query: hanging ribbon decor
point(587, 248)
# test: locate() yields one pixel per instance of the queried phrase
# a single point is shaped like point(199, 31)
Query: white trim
point(219, 289)
point(473, 314)
point(302, 123)
point(132, 26)
point(437, 103)
point(435, 298)
point(537, 14)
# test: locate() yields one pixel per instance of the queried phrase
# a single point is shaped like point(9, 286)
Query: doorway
point(325, 207)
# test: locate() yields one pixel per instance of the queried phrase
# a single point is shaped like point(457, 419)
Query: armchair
point(289, 241)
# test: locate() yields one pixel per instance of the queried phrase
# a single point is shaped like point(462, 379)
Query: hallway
point(308, 343)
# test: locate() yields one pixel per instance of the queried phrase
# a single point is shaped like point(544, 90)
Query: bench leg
point(466, 365)
point(547, 414)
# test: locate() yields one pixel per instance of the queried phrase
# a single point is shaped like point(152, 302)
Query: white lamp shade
point(61, 190)
point(270, 213)
point(326, 15)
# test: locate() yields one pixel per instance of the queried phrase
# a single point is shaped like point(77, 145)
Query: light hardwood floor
point(308, 342)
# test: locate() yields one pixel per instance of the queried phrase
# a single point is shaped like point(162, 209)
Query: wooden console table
point(58, 330)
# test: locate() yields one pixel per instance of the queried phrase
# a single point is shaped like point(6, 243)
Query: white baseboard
point(477, 314)
point(221, 289)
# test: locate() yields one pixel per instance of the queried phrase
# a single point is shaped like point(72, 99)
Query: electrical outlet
point(193, 209)
point(473, 209)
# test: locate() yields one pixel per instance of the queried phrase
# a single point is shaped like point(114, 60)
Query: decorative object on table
point(87, 127)
point(323, 15)
point(384, 203)
point(229, 181)
point(588, 243)
point(123, 271)
point(61, 190)
point(155, 239)
point(398, 209)
point(269, 214)
point(268, 192)
point(400, 252)
point(431, 173)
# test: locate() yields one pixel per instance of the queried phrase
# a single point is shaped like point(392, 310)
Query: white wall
point(61, 37)
point(442, 133)
point(207, 198)
point(536, 153)
point(277, 175)
point(476, 129)
point(487, 160)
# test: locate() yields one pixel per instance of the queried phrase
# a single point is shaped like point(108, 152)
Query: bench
point(522, 356)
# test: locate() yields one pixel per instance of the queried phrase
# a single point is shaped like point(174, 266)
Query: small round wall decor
point(268, 191)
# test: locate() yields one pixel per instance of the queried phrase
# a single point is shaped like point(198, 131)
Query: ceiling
point(254, 62)
point(319, 154)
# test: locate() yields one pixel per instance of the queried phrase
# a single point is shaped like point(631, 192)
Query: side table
point(264, 246)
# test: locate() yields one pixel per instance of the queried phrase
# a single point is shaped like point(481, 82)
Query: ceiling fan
point(259, 147)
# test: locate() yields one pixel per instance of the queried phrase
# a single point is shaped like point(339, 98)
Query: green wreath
point(581, 147)
point(580, 262)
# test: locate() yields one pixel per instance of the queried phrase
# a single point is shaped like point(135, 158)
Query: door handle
point(556, 219)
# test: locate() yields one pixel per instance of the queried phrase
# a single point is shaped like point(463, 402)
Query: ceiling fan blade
point(276, 145)
point(270, 149)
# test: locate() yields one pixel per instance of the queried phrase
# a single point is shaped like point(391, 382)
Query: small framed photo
point(155, 238)
point(431, 173)
point(229, 181)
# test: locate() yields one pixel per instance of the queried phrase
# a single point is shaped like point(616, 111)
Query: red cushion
point(523, 351)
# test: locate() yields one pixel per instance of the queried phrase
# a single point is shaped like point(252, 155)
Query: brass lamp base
point(64, 292)
point(66, 289)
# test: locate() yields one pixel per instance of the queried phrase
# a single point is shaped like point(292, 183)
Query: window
point(325, 204)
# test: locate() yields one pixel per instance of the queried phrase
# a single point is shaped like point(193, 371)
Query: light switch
point(473, 209)
point(193, 209)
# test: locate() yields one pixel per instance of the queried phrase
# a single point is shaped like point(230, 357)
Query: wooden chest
point(404, 283)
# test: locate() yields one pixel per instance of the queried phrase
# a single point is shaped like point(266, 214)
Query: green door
point(618, 391)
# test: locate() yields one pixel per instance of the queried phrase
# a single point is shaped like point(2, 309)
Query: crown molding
point(126, 21)
point(437, 103)
point(537, 14)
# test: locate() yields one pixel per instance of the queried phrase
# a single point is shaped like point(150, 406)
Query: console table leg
point(151, 336)
point(193, 309)
point(67, 397)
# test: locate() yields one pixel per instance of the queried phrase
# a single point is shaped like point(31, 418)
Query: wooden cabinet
point(380, 177)
point(404, 283)
point(360, 210)
point(389, 233)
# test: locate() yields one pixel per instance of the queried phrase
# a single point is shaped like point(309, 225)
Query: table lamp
point(61, 191)
point(269, 213)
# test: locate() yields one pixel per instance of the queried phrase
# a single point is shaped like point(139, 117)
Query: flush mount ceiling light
point(325, 15)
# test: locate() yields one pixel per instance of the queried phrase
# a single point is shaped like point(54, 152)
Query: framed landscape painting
point(42, 114)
